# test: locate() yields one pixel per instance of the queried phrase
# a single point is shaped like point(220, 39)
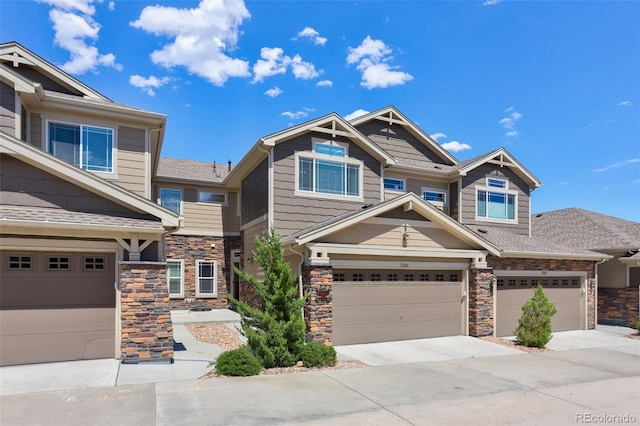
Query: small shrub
point(238, 362)
point(534, 326)
point(638, 326)
point(316, 354)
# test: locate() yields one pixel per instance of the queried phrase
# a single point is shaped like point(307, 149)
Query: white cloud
point(625, 104)
point(313, 35)
point(201, 37)
point(437, 136)
point(294, 115)
point(616, 165)
point(510, 121)
point(275, 62)
point(490, 2)
point(77, 32)
point(325, 83)
point(355, 114)
point(148, 83)
point(111, 5)
point(455, 146)
point(272, 93)
point(373, 57)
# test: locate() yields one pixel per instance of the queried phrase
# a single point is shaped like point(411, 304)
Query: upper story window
point(212, 197)
point(436, 197)
point(171, 199)
point(496, 201)
point(394, 184)
point(88, 147)
point(329, 171)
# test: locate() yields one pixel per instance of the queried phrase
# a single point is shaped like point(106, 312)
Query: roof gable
point(392, 115)
point(500, 157)
point(14, 55)
point(407, 202)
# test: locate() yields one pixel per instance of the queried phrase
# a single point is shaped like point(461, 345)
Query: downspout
point(300, 289)
point(595, 302)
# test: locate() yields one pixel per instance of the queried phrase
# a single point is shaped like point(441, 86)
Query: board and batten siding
point(477, 177)
point(7, 109)
point(397, 141)
point(293, 213)
point(254, 193)
point(131, 161)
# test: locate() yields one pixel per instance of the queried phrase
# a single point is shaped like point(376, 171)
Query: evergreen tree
point(275, 330)
point(534, 326)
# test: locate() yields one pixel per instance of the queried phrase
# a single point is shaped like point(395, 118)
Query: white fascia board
point(501, 151)
point(91, 228)
point(87, 180)
point(361, 249)
point(542, 255)
point(17, 81)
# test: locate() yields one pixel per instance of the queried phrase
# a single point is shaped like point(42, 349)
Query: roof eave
point(546, 255)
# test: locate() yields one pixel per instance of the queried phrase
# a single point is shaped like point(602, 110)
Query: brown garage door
point(513, 292)
point(378, 306)
point(56, 307)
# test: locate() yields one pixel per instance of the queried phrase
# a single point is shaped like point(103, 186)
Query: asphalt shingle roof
point(581, 228)
point(62, 216)
point(177, 168)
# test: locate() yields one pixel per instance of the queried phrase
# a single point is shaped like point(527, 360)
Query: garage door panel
point(46, 321)
point(352, 315)
point(356, 294)
point(510, 301)
point(393, 331)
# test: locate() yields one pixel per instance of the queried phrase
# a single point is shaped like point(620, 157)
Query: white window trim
point(404, 184)
point(215, 279)
point(181, 294)
point(218, 203)
point(498, 178)
point(114, 150)
point(171, 189)
point(322, 195)
point(498, 191)
point(436, 190)
point(318, 141)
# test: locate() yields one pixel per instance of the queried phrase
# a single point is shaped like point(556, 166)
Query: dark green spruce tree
point(275, 330)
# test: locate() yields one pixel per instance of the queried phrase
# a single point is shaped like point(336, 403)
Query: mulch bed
point(512, 344)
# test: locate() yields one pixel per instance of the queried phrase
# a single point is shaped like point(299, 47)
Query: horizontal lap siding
point(477, 177)
point(254, 193)
point(131, 161)
point(397, 141)
point(36, 130)
point(200, 216)
point(292, 213)
point(7, 109)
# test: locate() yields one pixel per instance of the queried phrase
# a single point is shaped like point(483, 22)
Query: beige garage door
point(56, 307)
point(513, 292)
point(378, 306)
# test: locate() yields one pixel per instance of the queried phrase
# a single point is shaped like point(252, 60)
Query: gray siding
point(292, 213)
point(477, 177)
point(254, 193)
point(7, 109)
point(25, 185)
point(36, 130)
point(46, 82)
point(131, 159)
point(453, 200)
point(397, 141)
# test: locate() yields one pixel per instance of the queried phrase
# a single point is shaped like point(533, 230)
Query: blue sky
point(557, 83)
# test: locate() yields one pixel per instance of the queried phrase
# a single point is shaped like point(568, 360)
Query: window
point(453, 277)
point(424, 277)
point(408, 277)
point(440, 277)
point(357, 277)
point(59, 263)
point(392, 277)
point(206, 278)
point(394, 184)
point(375, 277)
point(171, 199)
point(94, 263)
point(495, 201)
point(330, 148)
point(175, 278)
point(212, 197)
point(88, 147)
point(435, 197)
point(338, 277)
point(20, 263)
point(328, 170)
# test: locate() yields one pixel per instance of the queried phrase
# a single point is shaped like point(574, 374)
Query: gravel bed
point(512, 344)
point(227, 339)
point(635, 335)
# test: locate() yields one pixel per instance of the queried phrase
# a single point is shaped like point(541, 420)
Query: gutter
point(299, 270)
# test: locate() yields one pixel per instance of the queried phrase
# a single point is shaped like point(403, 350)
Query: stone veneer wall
point(317, 281)
point(190, 248)
point(146, 328)
point(619, 304)
point(521, 264)
point(481, 303)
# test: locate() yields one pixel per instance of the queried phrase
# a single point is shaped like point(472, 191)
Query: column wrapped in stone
point(318, 310)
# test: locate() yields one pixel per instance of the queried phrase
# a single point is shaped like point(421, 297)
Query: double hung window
point(171, 199)
point(175, 280)
point(88, 147)
point(206, 278)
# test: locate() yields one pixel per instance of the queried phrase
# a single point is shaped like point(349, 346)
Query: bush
point(238, 362)
point(534, 326)
point(316, 354)
point(638, 326)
